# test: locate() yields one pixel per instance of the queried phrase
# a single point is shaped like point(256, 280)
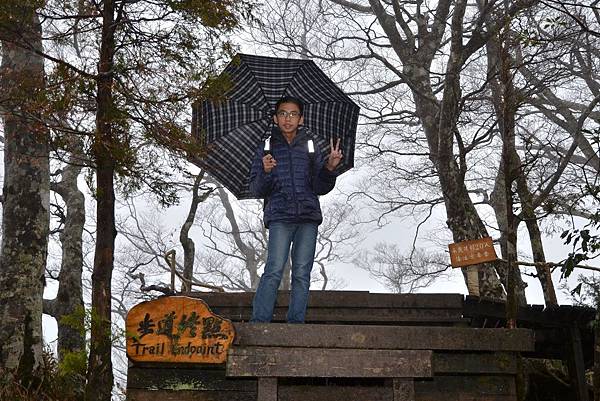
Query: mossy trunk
point(26, 197)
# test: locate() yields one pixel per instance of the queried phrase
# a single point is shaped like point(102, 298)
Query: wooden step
point(383, 337)
point(327, 362)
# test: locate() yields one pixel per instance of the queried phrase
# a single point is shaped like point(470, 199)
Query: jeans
point(303, 236)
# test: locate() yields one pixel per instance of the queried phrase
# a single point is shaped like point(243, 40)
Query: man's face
point(288, 118)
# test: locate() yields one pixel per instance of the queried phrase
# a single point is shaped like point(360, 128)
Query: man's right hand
point(269, 163)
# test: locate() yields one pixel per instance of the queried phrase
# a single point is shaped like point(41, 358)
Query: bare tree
point(189, 248)
point(68, 307)
point(148, 239)
point(403, 273)
point(237, 240)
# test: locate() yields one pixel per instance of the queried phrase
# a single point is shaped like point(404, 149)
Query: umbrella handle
point(267, 147)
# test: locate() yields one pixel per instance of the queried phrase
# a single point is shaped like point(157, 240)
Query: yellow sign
point(472, 252)
point(177, 329)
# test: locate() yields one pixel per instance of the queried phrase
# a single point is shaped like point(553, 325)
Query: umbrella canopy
point(233, 127)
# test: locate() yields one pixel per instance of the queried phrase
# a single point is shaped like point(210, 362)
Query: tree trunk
point(100, 375)
point(535, 237)
point(248, 251)
point(501, 198)
point(189, 248)
point(68, 308)
point(510, 171)
point(596, 371)
point(465, 224)
point(25, 214)
point(498, 198)
point(499, 202)
point(439, 123)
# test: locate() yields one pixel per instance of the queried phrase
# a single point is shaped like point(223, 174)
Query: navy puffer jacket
point(293, 186)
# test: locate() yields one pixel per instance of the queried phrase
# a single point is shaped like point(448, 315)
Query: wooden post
point(404, 389)
point(576, 364)
point(267, 389)
point(597, 351)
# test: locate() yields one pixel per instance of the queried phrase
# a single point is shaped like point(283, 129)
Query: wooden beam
point(404, 390)
point(475, 363)
point(267, 389)
point(344, 299)
point(341, 316)
point(359, 315)
point(306, 392)
point(187, 395)
point(467, 387)
point(383, 337)
point(185, 377)
point(311, 362)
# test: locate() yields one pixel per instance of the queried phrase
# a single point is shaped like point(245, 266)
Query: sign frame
point(177, 329)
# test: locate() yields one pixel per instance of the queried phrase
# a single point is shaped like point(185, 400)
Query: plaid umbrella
point(233, 128)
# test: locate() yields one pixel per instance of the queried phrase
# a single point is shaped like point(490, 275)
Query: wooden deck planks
point(197, 379)
point(320, 362)
point(188, 395)
point(341, 299)
point(354, 315)
point(383, 337)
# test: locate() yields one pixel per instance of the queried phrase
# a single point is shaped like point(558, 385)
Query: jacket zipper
point(292, 178)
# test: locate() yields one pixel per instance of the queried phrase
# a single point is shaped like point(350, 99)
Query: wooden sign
point(472, 252)
point(177, 329)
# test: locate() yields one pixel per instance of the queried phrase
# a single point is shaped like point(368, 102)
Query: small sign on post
point(177, 329)
point(472, 252)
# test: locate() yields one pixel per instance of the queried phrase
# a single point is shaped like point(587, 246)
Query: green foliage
point(81, 320)
point(531, 36)
point(73, 363)
point(55, 384)
point(77, 320)
point(15, 11)
point(218, 14)
point(215, 87)
point(554, 22)
point(585, 247)
point(585, 241)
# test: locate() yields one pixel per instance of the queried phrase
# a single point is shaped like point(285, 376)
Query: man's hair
point(290, 99)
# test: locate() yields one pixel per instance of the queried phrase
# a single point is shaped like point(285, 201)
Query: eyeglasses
point(286, 114)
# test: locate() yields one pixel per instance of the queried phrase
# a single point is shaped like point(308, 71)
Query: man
point(290, 177)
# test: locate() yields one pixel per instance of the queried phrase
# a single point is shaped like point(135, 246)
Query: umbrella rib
point(350, 102)
point(304, 63)
point(264, 95)
point(258, 120)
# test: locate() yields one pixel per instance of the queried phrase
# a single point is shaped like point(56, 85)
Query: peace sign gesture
point(335, 157)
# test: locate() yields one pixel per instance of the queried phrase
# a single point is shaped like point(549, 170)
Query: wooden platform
point(351, 307)
point(355, 346)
